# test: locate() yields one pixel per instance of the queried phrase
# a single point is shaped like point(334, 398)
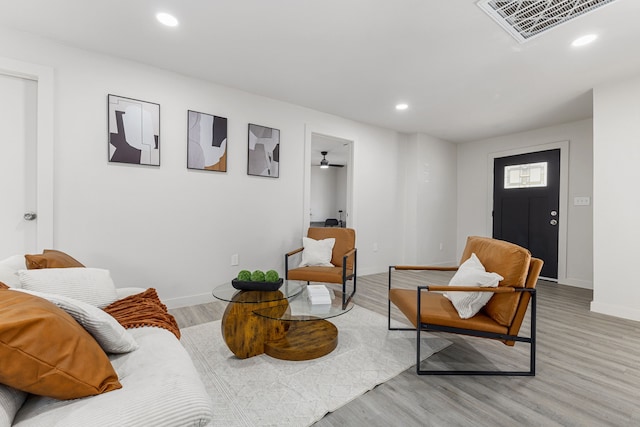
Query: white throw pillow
point(9, 277)
point(91, 285)
point(472, 273)
point(10, 402)
point(317, 252)
point(9, 270)
point(15, 262)
point(106, 330)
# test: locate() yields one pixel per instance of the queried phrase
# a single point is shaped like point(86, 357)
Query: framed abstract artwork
point(134, 131)
point(206, 142)
point(264, 151)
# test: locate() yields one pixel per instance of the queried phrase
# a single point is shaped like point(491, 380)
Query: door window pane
point(525, 176)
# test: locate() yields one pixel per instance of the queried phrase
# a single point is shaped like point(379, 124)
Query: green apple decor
point(244, 275)
point(257, 281)
point(271, 276)
point(257, 276)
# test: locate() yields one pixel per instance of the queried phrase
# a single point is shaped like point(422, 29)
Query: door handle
point(30, 216)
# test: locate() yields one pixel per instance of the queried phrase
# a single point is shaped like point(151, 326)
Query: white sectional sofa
point(159, 384)
point(160, 387)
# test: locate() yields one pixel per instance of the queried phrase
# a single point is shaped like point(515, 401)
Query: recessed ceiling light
point(584, 40)
point(167, 19)
point(401, 107)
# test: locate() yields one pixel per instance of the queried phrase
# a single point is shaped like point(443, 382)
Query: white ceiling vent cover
point(526, 19)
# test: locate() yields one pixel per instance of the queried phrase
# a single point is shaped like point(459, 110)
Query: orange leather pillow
point(51, 258)
point(45, 351)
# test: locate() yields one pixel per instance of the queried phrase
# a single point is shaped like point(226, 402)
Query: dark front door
point(526, 193)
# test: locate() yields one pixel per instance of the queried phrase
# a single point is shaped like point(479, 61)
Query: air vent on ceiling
point(526, 19)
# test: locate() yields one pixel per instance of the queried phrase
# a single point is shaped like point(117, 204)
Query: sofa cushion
point(51, 258)
point(435, 309)
point(91, 285)
point(112, 337)
point(317, 274)
point(45, 352)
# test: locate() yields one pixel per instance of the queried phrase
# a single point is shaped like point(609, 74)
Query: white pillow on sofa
point(10, 401)
point(106, 330)
point(9, 277)
point(9, 270)
point(15, 262)
point(472, 273)
point(317, 252)
point(91, 285)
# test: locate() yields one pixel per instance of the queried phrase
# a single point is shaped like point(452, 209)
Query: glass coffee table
point(281, 323)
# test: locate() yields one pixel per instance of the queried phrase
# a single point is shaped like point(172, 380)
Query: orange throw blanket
point(143, 309)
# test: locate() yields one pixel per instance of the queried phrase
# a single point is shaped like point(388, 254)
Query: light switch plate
point(582, 201)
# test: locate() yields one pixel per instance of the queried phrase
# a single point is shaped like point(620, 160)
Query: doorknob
point(553, 222)
point(30, 216)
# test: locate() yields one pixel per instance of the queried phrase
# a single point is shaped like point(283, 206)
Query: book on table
point(319, 295)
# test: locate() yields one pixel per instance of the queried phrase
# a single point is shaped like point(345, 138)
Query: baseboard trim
point(615, 310)
point(188, 300)
point(578, 283)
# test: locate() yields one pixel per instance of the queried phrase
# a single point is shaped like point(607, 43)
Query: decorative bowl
point(257, 286)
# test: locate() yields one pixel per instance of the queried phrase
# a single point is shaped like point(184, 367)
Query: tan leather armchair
point(500, 319)
point(344, 259)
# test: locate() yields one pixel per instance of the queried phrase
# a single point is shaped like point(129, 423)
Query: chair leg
point(345, 298)
point(391, 267)
point(389, 302)
point(354, 276)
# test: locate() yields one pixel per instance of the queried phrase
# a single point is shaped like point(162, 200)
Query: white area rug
point(263, 391)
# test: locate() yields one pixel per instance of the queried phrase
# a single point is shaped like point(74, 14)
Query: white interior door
point(18, 167)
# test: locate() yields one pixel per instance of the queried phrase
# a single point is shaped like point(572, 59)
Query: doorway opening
point(328, 181)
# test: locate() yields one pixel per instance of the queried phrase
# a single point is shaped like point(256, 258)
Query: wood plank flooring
point(588, 368)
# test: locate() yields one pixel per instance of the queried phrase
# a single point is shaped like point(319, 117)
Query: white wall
point(428, 195)
point(474, 173)
point(616, 208)
point(176, 229)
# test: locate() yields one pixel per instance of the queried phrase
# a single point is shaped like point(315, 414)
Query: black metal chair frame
point(345, 276)
point(531, 339)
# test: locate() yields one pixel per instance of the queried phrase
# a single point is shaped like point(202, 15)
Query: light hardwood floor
point(588, 368)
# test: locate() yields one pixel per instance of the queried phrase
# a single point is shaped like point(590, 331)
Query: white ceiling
point(337, 149)
point(462, 75)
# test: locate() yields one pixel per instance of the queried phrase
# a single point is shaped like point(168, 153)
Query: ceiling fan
point(324, 163)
